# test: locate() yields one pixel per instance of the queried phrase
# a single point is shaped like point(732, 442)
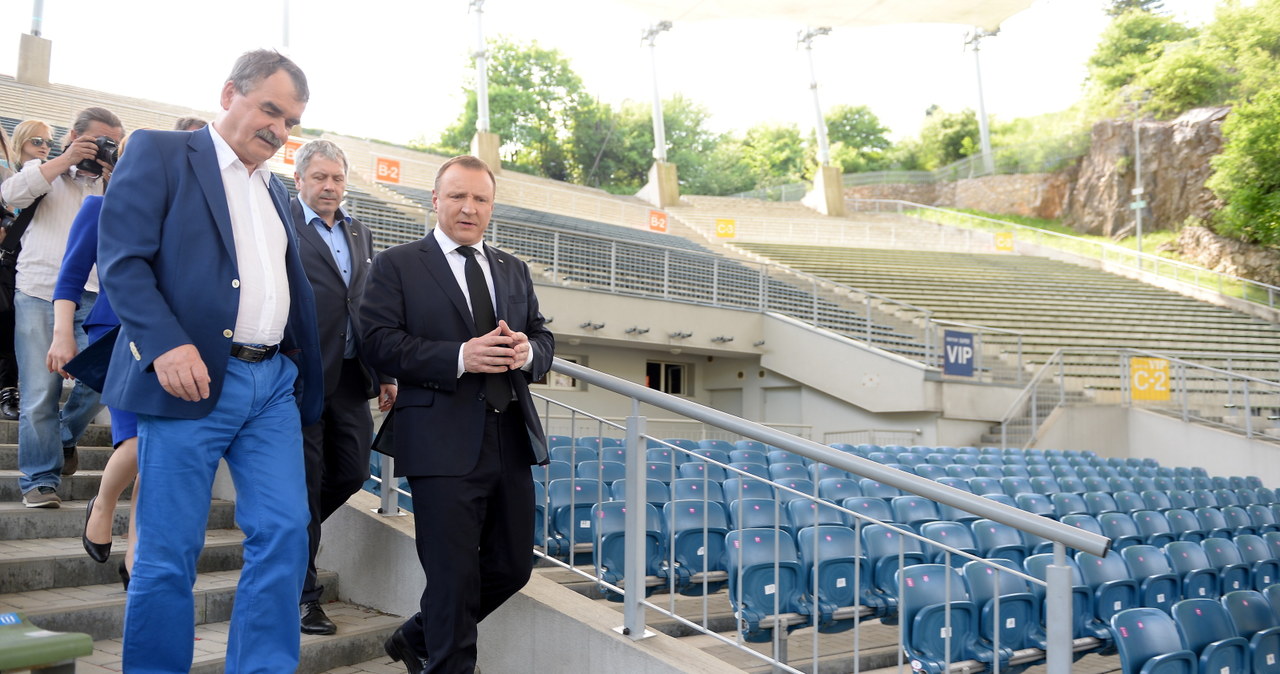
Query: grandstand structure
point(764, 391)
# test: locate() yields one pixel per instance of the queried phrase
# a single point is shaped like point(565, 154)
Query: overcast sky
point(394, 69)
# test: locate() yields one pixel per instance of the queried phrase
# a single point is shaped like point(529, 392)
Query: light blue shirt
point(336, 240)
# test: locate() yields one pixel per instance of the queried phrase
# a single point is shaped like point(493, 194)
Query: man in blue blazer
point(456, 322)
point(219, 356)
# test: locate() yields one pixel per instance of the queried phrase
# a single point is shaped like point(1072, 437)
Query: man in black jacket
point(337, 252)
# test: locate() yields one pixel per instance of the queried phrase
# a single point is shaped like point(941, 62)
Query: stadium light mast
point(984, 132)
point(805, 37)
point(482, 69)
point(37, 17)
point(650, 37)
point(284, 26)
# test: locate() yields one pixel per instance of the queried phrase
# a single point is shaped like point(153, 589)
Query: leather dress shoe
point(398, 648)
point(99, 552)
point(10, 403)
point(314, 621)
point(70, 460)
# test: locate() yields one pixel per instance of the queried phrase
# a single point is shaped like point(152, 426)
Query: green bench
point(26, 646)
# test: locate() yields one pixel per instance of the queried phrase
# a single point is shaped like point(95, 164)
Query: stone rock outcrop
point(1175, 166)
point(1037, 195)
point(1229, 256)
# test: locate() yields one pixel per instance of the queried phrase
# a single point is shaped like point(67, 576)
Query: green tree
point(947, 137)
point(533, 96)
point(774, 154)
point(612, 149)
point(1248, 39)
point(1128, 47)
point(1119, 7)
point(858, 139)
point(1247, 172)
point(1185, 76)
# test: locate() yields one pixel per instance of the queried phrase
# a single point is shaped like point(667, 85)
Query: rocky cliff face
point(1175, 165)
point(1229, 256)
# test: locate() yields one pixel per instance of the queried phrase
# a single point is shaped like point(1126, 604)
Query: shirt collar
point(448, 245)
point(227, 157)
point(309, 215)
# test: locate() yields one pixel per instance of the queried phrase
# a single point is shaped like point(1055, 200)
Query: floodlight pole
point(805, 37)
point(984, 132)
point(37, 17)
point(482, 69)
point(284, 26)
point(650, 36)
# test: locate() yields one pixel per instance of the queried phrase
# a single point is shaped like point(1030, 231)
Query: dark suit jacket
point(167, 259)
point(336, 302)
point(415, 318)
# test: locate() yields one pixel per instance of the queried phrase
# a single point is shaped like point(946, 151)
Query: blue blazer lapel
point(443, 275)
point(204, 163)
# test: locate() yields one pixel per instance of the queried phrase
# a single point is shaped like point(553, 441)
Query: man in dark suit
point(456, 322)
point(218, 355)
point(337, 251)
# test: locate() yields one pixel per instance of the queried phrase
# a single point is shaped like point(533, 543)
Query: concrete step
point(361, 632)
point(96, 435)
point(18, 522)
point(46, 563)
point(98, 610)
point(79, 487)
point(91, 458)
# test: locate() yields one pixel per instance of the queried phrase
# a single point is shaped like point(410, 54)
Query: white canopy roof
point(986, 14)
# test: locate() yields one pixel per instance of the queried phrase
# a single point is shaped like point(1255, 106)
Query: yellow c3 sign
point(726, 228)
point(1004, 242)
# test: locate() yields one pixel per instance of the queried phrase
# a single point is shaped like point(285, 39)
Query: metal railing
point(1176, 271)
point(1160, 381)
point(574, 426)
point(683, 275)
point(638, 577)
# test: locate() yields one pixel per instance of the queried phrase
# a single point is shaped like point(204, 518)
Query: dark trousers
point(8, 359)
point(473, 535)
point(336, 450)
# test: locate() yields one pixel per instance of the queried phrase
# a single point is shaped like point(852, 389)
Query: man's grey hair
point(90, 115)
point(324, 148)
point(254, 66)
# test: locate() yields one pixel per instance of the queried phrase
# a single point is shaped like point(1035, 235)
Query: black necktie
point(497, 390)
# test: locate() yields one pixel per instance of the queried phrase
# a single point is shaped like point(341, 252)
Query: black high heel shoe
point(124, 575)
point(99, 552)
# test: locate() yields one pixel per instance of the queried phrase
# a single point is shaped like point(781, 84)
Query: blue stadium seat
point(751, 445)
point(1238, 520)
point(952, 534)
point(1045, 485)
point(1066, 503)
point(914, 510)
point(931, 471)
point(1199, 577)
point(1272, 539)
point(809, 513)
point(738, 488)
point(1071, 485)
point(985, 485)
point(1207, 632)
point(1154, 527)
point(1252, 481)
point(1149, 643)
point(684, 488)
point(961, 471)
point(1016, 485)
point(1184, 525)
point(656, 492)
point(718, 445)
point(702, 469)
point(604, 471)
point(1224, 497)
point(607, 531)
point(1129, 501)
point(1121, 529)
point(1017, 614)
point(999, 541)
point(618, 454)
point(1233, 573)
point(597, 442)
point(1263, 566)
point(1115, 484)
point(1213, 523)
point(938, 459)
point(554, 470)
point(574, 454)
point(665, 455)
point(1016, 470)
point(1204, 498)
point(1083, 521)
point(782, 456)
point(836, 489)
point(1037, 504)
point(1095, 484)
point(990, 471)
point(1143, 483)
point(696, 530)
point(1039, 470)
point(1181, 500)
point(757, 469)
point(1156, 500)
point(758, 513)
point(765, 579)
point(717, 455)
point(569, 503)
point(1099, 502)
point(822, 471)
point(803, 486)
point(1158, 586)
point(956, 483)
point(539, 514)
point(875, 508)
point(663, 471)
point(1246, 496)
point(1272, 593)
point(1236, 482)
point(682, 443)
point(871, 487)
point(559, 440)
point(1251, 614)
point(843, 575)
point(934, 598)
point(1084, 619)
point(1109, 580)
point(787, 471)
point(970, 460)
point(884, 546)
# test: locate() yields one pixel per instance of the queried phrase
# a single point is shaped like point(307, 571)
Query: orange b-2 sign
point(291, 150)
point(388, 170)
point(657, 221)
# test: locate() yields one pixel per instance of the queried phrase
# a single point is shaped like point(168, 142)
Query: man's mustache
point(265, 134)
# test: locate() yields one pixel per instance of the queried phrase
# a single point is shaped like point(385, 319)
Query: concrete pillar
point(663, 189)
point(827, 196)
point(485, 146)
point(34, 55)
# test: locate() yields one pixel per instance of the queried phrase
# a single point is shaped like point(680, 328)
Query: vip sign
point(388, 170)
point(1149, 378)
point(290, 151)
point(657, 221)
point(726, 228)
point(958, 353)
point(1004, 242)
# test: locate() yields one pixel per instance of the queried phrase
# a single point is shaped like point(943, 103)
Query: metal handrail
point(1118, 253)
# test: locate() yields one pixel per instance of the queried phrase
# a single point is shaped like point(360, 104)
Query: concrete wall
point(1037, 195)
point(1112, 430)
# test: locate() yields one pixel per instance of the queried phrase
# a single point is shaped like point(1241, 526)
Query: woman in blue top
point(122, 467)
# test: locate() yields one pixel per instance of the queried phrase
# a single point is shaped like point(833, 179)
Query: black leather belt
point(254, 353)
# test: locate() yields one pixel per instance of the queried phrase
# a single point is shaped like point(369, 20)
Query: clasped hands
point(498, 351)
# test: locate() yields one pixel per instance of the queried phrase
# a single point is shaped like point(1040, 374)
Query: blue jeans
point(256, 427)
point(42, 430)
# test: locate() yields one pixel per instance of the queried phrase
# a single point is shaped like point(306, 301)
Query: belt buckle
point(250, 353)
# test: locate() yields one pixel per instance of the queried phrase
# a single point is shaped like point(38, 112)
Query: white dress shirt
point(260, 244)
point(45, 241)
point(458, 265)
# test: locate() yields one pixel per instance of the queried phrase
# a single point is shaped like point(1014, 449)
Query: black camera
point(6, 219)
point(108, 150)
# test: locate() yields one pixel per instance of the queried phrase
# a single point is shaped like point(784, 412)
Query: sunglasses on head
point(41, 142)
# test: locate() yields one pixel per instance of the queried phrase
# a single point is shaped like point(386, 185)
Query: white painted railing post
point(1058, 613)
point(633, 546)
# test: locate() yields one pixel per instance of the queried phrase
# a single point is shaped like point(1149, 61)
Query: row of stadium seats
point(1240, 633)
